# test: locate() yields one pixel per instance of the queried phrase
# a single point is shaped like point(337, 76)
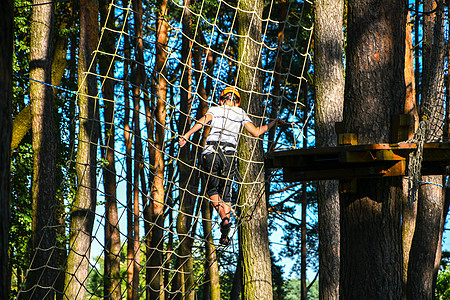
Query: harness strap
point(221, 144)
point(224, 159)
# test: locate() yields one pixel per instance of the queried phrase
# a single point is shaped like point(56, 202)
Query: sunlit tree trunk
point(42, 275)
point(150, 124)
point(112, 288)
point(65, 17)
point(139, 77)
point(329, 92)
point(157, 189)
point(188, 177)
point(374, 92)
point(22, 122)
point(83, 210)
point(6, 55)
point(253, 234)
point(409, 210)
point(129, 167)
point(425, 247)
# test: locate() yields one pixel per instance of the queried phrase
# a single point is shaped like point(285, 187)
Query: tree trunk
point(129, 165)
point(64, 15)
point(253, 234)
point(304, 249)
point(188, 177)
point(371, 244)
point(112, 288)
point(42, 275)
point(139, 77)
point(409, 211)
point(22, 122)
point(329, 92)
point(6, 55)
point(83, 210)
point(157, 190)
point(304, 201)
point(422, 270)
point(212, 284)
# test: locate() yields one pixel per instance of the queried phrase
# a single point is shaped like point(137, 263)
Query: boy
point(226, 122)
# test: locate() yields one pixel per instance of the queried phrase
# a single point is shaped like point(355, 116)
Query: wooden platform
point(359, 161)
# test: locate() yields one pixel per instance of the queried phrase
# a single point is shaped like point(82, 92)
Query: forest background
point(156, 67)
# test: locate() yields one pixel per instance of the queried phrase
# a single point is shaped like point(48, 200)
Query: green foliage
point(277, 279)
point(21, 211)
point(292, 231)
point(226, 284)
point(443, 284)
point(22, 18)
point(313, 293)
point(292, 289)
point(227, 264)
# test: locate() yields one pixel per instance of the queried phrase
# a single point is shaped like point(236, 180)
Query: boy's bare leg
point(223, 208)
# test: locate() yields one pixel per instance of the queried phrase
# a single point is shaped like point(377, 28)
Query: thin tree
point(42, 274)
point(157, 189)
point(112, 288)
point(409, 210)
point(253, 234)
point(374, 92)
point(426, 244)
point(128, 140)
point(304, 202)
point(83, 208)
point(329, 101)
point(6, 55)
point(139, 77)
point(188, 179)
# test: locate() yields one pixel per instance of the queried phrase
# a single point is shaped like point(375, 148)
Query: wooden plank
point(358, 161)
point(295, 174)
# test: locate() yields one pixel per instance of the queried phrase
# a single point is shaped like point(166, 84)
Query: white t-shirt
point(225, 125)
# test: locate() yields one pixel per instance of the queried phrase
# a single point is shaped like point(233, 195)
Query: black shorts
point(218, 174)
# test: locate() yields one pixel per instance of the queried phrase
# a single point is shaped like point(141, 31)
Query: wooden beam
point(357, 161)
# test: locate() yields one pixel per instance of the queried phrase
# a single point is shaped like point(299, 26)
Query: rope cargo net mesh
point(163, 82)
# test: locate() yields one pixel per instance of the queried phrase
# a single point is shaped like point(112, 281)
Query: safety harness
point(218, 148)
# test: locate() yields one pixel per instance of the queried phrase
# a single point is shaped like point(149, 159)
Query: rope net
point(153, 227)
point(434, 108)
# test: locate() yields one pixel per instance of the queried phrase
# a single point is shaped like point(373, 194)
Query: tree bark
point(128, 158)
point(253, 234)
point(371, 244)
point(42, 275)
point(157, 191)
point(112, 288)
point(409, 211)
point(83, 209)
point(304, 202)
point(425, 247)
point(6, 57)
point(188, 177)
point(22, 122)
point(329, 91)
point(139, 78)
